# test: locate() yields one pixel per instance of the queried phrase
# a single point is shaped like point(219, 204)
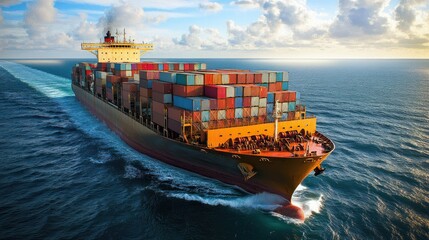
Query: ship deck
point(293, 145)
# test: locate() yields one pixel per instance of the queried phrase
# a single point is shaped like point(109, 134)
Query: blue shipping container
point(291, 106)
point(185, 79)
point(191, 104)
point(238, 102)
point(238, 91)
point(205, 116)
point(285, 86)
point(279, 77)
point(167, 77)
point(270, 107)
point(270, 97)
point(238, 113)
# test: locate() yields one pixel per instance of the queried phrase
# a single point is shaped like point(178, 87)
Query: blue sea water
point(63, 174)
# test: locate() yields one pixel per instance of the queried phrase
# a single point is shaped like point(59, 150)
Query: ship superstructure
point(241, 127)
point(112, 49)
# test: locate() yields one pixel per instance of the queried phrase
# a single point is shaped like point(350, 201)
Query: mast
point(276, 115)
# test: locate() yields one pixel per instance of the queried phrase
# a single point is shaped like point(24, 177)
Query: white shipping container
point(264, 77)
point(285, 77)
point(263, 102)
point(254, 111)
point(221, 114)
point(225, 79)
point(272, 77)
point(285, 107)
point(254, 102)
point(199, 79)
point(230, 91)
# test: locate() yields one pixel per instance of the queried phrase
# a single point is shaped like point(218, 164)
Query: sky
point(220, 29)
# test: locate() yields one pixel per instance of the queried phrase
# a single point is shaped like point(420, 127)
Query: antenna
point(124, 36)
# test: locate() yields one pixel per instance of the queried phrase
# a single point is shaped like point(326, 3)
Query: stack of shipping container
point(178, 95)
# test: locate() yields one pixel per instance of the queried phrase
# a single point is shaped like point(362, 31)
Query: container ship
point(241, 127)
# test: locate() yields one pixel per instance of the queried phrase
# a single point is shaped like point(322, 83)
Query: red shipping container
point(278, 96)
point(158, 107)
point(247, 90)
point(262, 111)
point(258, 77)
point(213, 104)
point(278, 86)
point(165, 67)
point(215, 91)
point(241, 78)
point(149, 75)
point(208, 79)
point(130, 86)
point(175, 113)
point(272, 87)
point(213, 115)
point(230, 114)
point(174, 126)
point(246, 112)
point(233, 78)
point(186, 67)
point(247, 102)
point(145, 92)
point(250, 78)
point(162, 87)
point(292, 96)
point(158, 118)
point(221, 103)
point(261, 119)
point(176, 66)
point(188, 91)
point(255, 91)
point(263, 92)
point(161, 97)
point(196, 116)
point(230, 102)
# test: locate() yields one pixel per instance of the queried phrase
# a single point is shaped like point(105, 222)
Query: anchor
point(247, 170)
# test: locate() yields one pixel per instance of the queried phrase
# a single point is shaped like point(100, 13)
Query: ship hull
point(274, 175)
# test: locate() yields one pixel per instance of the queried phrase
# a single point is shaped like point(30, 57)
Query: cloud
point(246, 4)
point(122, 16)
point(39, 15)
point(406, 13)
point(360, 18)
point(281, 23)
point(201, 38)
point(211, 6)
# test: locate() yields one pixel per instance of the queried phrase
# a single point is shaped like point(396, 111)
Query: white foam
point(262, 201)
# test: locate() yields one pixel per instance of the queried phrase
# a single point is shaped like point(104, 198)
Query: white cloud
point(201, 38)
point(361, 18)
point(246, 4)
point(39, 15)
point(406, 13)
point(281, 23)
point(121, 16)
point(211, 6)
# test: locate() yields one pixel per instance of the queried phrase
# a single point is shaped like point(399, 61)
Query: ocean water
point(63, 174)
